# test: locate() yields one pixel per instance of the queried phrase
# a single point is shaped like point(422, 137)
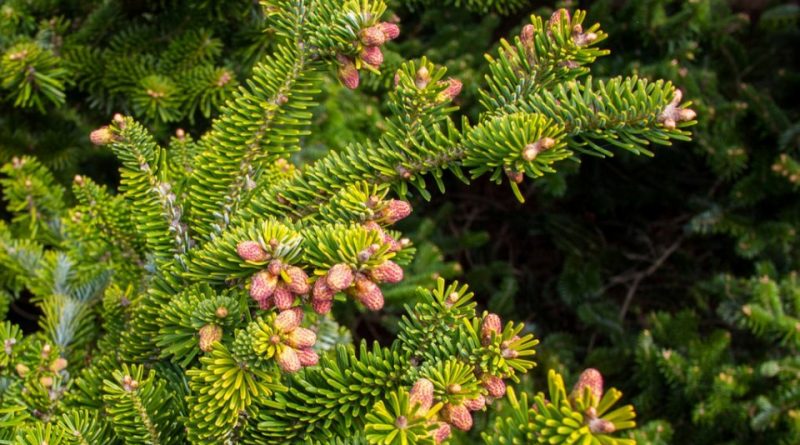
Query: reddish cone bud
point(322, 307)
point(283, 298)
point(491, 324)
point(476, 404)
point(263, 285)
point(422, 394)
point(515, 176)
point(348, 74)
point(251, 251)
point(394, 245)
point(288, 320)
point(299, 281)
point(390, 30)
point(208, 335)
point(307, 357)
point(322, 291)
point(555, 19)
point(301, 338)
point(495, 386)
point(288, 360)
point(526, 36)
point(372, 225)
point(339, 277)
point(372, 36)
point(442, 433)
point(452, 91)
point(101, 136)
point(459, 417)
point(266, 303)
point(396, 210)
point(372, 55)
point(368, 293)
point(592, 379)
point(275, 267)
point(387, 272)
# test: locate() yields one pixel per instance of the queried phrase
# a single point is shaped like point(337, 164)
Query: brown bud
point(372, 56)
point(263, 285)
point(58, 364)
point(101, 136)
point(22, 370)
point(46, 381)
point(495, 386)
point(687, 114)
point(307, 357)
point(372, 36)
point(251, 251)
point(209, 334)
point(475, 404)
point(459, 417)
point(491, 324)
point(300, 338)
point(531, 151)
point(390, 30)
point(672, 113)
point(299, 281)
point(423, 77)
point(129, 384)
point(515, 176)
point(289, 320)
point(592, 379)
point(396, 210)
point(601, 426)
point(509, 353)
point(387, 272)
point(583, 38)
point(422, 394)
point(221, 312)
point(288, 360)
point(283, 298)
point(339, 277)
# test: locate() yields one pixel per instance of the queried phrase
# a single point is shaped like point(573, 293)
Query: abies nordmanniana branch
point(214, 270)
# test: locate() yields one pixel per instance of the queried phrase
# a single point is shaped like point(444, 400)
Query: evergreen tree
point(212, 273)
